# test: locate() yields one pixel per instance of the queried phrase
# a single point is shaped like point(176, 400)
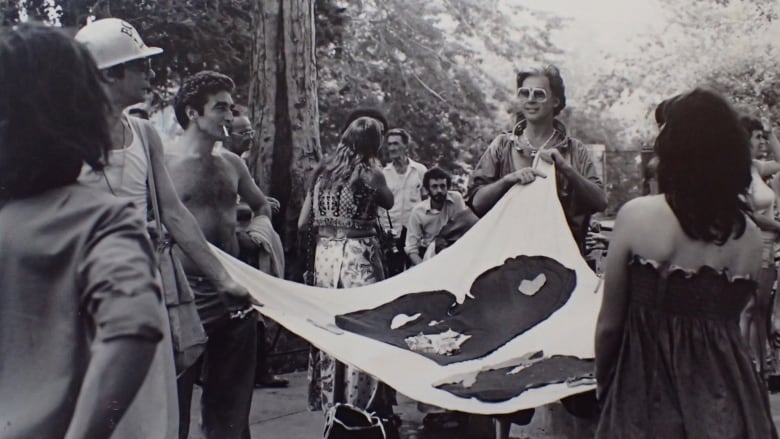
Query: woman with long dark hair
point(343, 198)
point(80, 308)
point(671, 360)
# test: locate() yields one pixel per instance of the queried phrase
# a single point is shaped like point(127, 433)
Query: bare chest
point(204, 182)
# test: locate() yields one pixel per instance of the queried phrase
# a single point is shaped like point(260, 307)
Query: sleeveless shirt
point(125, 173)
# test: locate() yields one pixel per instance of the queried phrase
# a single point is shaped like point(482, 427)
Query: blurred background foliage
point(444, 69)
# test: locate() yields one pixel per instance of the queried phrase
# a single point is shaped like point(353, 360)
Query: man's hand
point(524, 176)
point(274, 203)
point(553, 156)
point(236, 291)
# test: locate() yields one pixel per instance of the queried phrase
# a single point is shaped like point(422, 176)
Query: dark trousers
point(227, 370)
point(397, 261)
point(261, 368)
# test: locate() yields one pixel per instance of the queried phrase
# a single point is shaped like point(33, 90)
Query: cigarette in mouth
point(225, 130)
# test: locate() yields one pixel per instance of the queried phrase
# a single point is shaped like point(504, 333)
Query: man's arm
point(122, 298)
point(487, 187)
point(115, 373)
point(413, 234)
point(488, 195)
point(183, 227)
point(584, 184)
point(247, 189)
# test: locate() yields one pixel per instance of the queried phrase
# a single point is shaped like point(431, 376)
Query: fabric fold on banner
point(502, 320)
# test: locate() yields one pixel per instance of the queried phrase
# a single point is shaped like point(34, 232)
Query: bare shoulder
point(230, 157)
point(645, 209)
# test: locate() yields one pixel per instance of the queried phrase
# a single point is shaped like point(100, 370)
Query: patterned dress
point(341, 261)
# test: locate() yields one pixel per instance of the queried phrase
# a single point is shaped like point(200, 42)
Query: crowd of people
point(113, 305)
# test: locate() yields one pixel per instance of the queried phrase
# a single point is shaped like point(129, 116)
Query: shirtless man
point(208, 181)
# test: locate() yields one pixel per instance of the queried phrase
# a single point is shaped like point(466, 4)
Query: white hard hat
point(113, 41)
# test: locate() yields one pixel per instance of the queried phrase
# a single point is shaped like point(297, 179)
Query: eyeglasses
point(142, 65)
point(537, 94)
point(247, 133)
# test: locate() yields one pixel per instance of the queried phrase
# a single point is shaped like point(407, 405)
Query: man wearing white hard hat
point(137, 151)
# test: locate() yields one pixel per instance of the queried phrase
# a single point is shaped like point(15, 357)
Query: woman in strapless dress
point(671, 360)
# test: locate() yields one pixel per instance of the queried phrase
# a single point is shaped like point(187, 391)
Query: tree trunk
point(283, 107)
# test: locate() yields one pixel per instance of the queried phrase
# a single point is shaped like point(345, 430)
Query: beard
point(439, 198)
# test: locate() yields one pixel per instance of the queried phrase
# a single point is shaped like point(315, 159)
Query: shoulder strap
point(150, 179)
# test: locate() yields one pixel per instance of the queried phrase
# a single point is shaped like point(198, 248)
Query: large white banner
point(513, 295)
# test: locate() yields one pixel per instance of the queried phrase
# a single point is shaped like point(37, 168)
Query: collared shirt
point(497, 162)
point(425, 223)
point(407, 192)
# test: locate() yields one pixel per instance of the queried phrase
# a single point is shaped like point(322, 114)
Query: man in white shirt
point(404, 178)
point(429, 216)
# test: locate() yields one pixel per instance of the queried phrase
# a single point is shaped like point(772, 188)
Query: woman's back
point(344, 205)
point(663, 240)
point(683, 359)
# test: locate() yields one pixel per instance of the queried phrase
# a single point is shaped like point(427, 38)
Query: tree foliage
point(424, 64)
point(194, 34)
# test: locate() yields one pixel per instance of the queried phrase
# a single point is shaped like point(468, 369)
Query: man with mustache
point(429, 216)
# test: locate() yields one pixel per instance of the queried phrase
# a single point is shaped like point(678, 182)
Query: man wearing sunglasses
point(125, 61)
point(136, 152)
point(509, 160)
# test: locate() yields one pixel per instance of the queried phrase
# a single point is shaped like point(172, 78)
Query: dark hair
point(750, 124)
point(52, 110)
point(704, 166)
point(405, 137)
point(195, 92)
point(365, 112)
point(553, 75)
point(660, 111)
point(436, 173)
point(352, 157)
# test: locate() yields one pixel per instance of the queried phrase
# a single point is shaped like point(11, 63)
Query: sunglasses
point(139, 65)
point(537, 94)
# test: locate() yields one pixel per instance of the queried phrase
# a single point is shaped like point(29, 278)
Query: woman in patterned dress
point(342, 202)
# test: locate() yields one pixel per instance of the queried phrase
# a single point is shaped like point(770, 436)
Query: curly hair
point(195, 92)
point(704, 165)
point(553, 75)
point(436, 173)
point(352, 158)
point(52, 110)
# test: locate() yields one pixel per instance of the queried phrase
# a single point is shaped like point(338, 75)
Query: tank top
point(125, 173)
point(347, 206)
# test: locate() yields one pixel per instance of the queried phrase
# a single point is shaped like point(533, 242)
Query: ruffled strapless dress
point(684, 370)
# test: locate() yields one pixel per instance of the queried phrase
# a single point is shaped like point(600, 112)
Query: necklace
point(528, 149)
